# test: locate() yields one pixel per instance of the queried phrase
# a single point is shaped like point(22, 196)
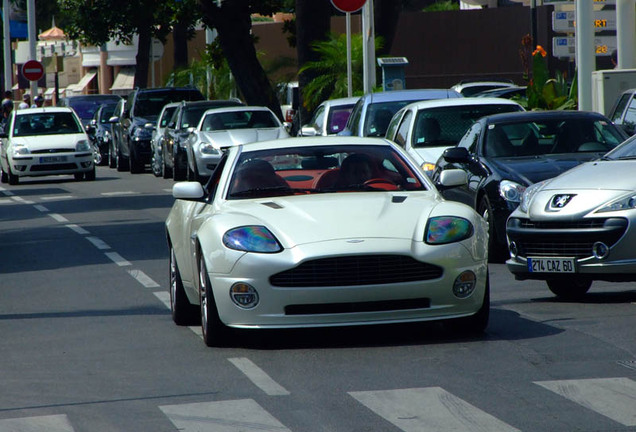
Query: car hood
point(45, 142)
point(584, 189)
point(243, 136)
point(533, 169)
point(427, 154)
point(314, 218)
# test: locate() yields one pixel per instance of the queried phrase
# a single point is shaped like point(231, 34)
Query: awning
point(81, 85)
point(124, 80)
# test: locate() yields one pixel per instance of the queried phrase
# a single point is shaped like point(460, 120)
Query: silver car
point(156, 159)
point(578, 227)
point(228, 126)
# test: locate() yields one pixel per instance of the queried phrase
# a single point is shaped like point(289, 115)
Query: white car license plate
point(551, 265)
point(50, 159)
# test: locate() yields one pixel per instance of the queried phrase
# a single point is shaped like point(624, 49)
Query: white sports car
point(228, 126)
point(43, 142)
point(578, 227)
point(309, 232)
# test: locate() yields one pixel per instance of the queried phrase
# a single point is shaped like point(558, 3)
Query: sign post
point(348, 6)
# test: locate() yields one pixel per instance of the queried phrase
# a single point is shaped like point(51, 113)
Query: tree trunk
point(313, 22)
point(143, 57)
point(386, 15)
point(233, 23)
point(180, 38)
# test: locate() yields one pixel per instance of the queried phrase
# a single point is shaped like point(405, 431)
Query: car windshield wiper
point(260, 191)
point(630, 157)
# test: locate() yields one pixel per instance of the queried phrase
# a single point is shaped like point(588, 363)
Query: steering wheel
point(381, 183)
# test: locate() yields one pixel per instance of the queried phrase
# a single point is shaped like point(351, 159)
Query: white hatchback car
point(45, 141)
point(425, 129)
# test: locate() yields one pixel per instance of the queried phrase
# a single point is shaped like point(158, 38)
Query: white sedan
point(310, 232)
point(43, 142)
point(228, 126)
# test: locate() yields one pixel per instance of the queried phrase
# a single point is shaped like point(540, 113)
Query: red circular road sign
point(348, 5)
point(33, 70)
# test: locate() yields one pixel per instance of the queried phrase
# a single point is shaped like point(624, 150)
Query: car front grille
point(53, 151)
point(357, 270)
point(54, 167)
point(563, 238)
point(360, 307)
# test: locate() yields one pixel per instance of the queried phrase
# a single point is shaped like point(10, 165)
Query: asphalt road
point(87, 342)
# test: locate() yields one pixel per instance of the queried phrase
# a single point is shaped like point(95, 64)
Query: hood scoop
point(273, 205)
point(398, 199)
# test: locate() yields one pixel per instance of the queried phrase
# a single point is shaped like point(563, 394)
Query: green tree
point(331, 69)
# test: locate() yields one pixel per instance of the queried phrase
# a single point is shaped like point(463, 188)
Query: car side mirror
point(456, 155)
point(307, 131)
point(452, 178)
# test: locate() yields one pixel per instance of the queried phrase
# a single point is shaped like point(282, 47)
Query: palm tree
point(331, 69)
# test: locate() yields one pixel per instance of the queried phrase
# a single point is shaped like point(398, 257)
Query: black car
point(133, 127)
point(99, 130)
point(184, 120)
point(86, 105)
point(503, 154)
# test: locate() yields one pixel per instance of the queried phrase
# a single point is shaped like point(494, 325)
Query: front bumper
point(206, 163)
point(51, 164)
point(327, 304)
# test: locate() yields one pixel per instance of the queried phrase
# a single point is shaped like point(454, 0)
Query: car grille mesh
point(564, 238)
point(52, 151)
point(357, 270)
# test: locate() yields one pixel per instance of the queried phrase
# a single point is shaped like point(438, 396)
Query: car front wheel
point(183, 312)
point(569, 289)
point(214, 331)
point(496, 251)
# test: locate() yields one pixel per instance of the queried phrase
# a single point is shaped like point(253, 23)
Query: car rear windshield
point(151, 103)
point(238, 120)
point(379, 116)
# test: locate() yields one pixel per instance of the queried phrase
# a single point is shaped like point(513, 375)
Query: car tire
point(569, 289)
point(183, 312)
point(90, 175)
point(122, 163)
point(112, 159)
point(165, 169)
point(155, 165)
point(477, 323)
point(496, 252)
point(78, 176)
point(134, 164)
point(215, 333)
point(4, 178)
point(178, 171)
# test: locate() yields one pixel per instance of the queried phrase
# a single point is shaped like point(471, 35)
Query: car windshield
point(48, 123)
point(86, 108)
point(445, 126)
point(626, 150)
point(379, 116)
point(321, 169)
point(246, 119)
point(553, 136)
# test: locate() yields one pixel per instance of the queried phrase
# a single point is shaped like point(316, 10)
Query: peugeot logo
point(559, 201)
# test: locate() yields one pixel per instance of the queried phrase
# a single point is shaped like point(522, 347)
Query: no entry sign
point(348, 5)
point(33, 70)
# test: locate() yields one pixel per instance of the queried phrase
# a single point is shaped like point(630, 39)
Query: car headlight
point(207, 149)
point(511, 191)
point(529, 193)
point(20, 150)
point(627, 202)
point(447, 229)
point(251, 239)
point(82, 146)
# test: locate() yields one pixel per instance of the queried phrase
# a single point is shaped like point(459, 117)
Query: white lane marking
point(56, 197)
point(143, 278)
point(21, 200)
point(58, 217)
point(50, 423)
point(164, 297)
point(119, 193)
point(224, 416)
point(98, 243)
point(78, 229)
point(41, 208)
point(117, 259)
point(6, 201)
point(431, 409)
point(258, 376)
point(612, 397)
point(6, 192)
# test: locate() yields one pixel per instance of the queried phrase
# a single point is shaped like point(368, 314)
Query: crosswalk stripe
point(224, 416)
point(612, 397)
point(51, 423)
point(258, 376)
point(430, 409)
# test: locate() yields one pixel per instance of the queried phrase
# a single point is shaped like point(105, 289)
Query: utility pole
point(32, 41)
point(6, 45)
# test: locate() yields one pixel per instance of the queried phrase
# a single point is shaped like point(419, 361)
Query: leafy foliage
point(331, 69)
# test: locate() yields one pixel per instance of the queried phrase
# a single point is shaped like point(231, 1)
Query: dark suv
point(132, 130)
point(184, 120)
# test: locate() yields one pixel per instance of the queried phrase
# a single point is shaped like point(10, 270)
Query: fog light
point(244, 295)
point(513, 249)
point(600, 250)
point(464, 284)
